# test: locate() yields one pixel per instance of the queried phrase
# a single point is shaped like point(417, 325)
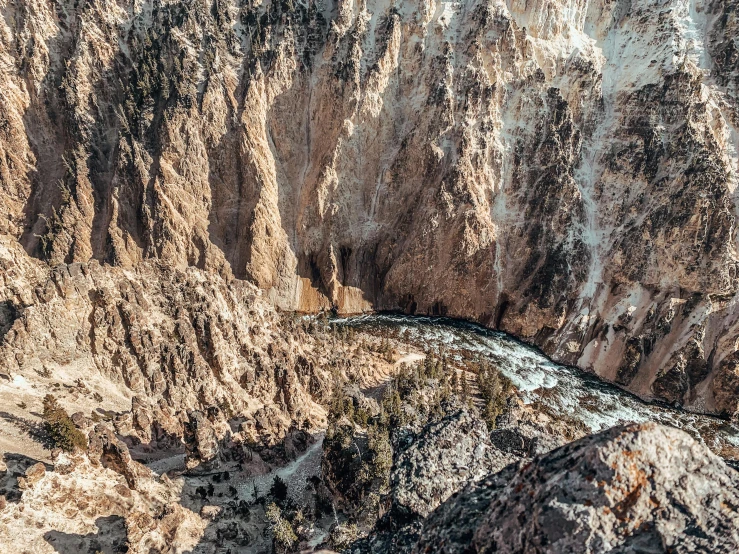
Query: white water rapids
point(565, 390)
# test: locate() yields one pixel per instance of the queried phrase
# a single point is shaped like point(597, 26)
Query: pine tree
point(465, 387)
point(284, 535)
point(60, 427)
point(278, 489)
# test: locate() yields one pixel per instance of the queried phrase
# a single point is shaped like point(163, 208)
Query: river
point(565, 390)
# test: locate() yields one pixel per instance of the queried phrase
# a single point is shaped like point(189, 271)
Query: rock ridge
point(638, 487)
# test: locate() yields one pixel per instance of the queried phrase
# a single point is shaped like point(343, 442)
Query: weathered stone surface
point(146, 346)
point(645, 488)
point(201, 439)
point(513, 442)
point(32, 476)
point(109, 451)
point(88, 507)
point(565, 171)
point(442, 459)
point(210, 513)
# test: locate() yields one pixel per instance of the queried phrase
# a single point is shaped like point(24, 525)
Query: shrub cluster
point(282, 530)
point(62, 431)
point(495, 388)
point(359, 445)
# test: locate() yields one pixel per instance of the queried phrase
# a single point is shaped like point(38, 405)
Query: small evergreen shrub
point(61, 429)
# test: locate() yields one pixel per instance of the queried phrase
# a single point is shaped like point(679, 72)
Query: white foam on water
point(565, 390)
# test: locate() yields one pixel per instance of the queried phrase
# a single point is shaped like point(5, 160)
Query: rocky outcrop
point(172, 171)
point(146, 346)
point(429, 467)
point(86, 506)
point(202, 437)
point(441, 460)
point(112, 453)
point(640, 487)
point(32, 476)
point(434, 461)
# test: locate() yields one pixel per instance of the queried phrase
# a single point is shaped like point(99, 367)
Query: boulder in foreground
point(636, 488)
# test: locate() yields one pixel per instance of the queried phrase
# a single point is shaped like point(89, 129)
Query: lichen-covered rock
point(637, 488)
point(441, 460)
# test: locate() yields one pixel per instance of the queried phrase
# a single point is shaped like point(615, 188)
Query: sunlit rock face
point(562, 170)
point(633, 488)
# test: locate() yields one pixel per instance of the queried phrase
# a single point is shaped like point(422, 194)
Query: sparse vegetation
point(343, 535)
point(381, 455)
point(495, 388)
point(44, 372)
point(278, 491)
point(54, 227)
point(282, 530)
point(62, 431)
point(358, 449)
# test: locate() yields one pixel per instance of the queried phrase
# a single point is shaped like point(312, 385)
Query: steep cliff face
point(562, 170)
point(147, 347)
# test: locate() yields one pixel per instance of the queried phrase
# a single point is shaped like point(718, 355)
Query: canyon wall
point(562, 170)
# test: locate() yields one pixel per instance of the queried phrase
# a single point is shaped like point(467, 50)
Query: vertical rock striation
point(559, 169)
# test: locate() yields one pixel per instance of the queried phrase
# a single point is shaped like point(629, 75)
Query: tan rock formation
point(561, 170)
point(90, 507)
point(144, 346)
point(32, 476)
